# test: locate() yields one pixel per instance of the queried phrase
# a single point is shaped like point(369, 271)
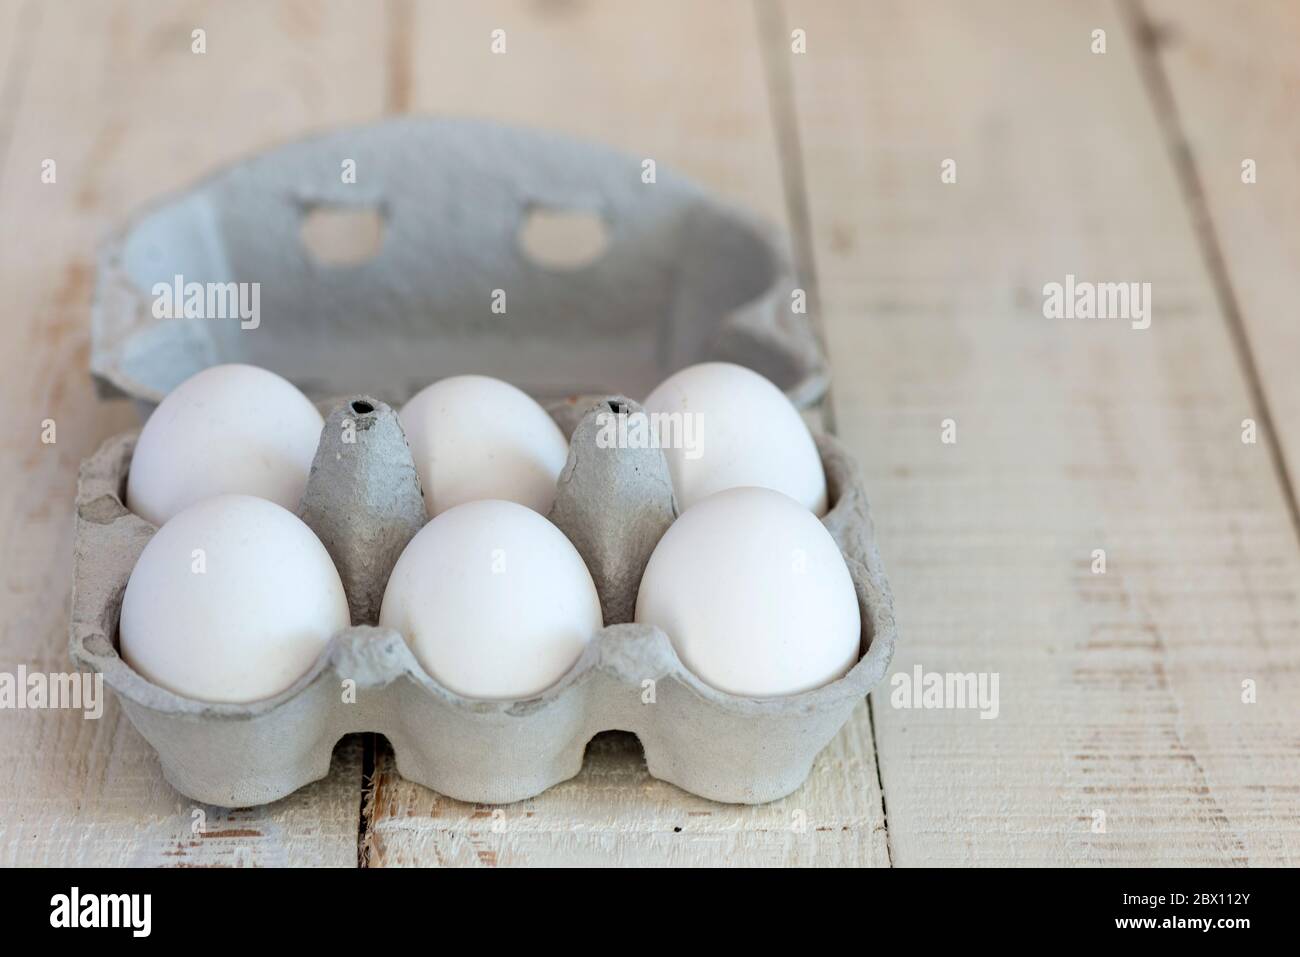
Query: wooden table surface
point(1124, 735)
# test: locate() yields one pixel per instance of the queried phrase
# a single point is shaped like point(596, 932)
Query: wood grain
point(113, 93)
point(683, 84)
point(1120, 692)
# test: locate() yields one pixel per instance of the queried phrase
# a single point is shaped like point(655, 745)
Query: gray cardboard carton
point(683, 278)
point(614, 504)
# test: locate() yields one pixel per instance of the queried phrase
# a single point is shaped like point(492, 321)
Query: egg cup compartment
point(451, 285)
point(613, 504)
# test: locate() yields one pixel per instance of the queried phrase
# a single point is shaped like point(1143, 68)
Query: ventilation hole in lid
point(563, 239)
point(361, 407)
point(342, 236)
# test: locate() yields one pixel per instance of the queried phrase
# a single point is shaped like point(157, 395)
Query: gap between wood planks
point(369, 743)
point(401, 50)
point(773, 37)
point(1147, 38)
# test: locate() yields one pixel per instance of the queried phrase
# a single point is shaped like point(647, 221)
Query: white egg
point(754, 594)
point(493, 599)
point(232, 600)
point(474, 437)
point(746, 432)
point(230, 429)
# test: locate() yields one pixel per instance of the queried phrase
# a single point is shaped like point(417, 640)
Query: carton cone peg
point(363, 499)
point(614, 504)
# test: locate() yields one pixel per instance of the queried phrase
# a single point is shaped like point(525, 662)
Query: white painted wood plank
point(1120, 692)
point(679, 82)
point(1233, 74)
point(613, 814)
point(114, 94)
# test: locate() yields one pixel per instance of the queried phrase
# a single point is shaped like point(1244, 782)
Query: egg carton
point(363, 499)
point(684, 277)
